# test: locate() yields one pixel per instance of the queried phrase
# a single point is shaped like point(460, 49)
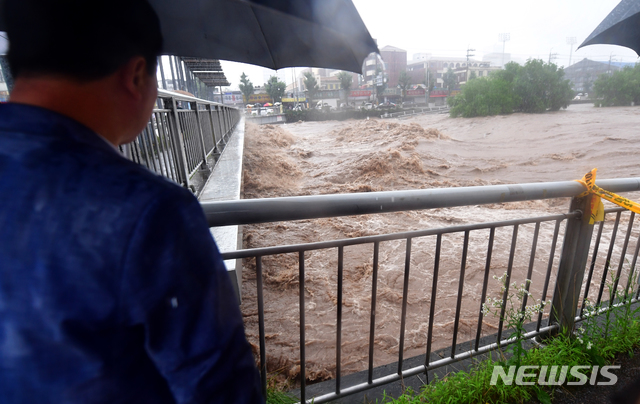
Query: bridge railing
point(184, 135)
point(553, 249)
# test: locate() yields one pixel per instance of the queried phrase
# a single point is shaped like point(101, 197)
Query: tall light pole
point(571, 40)
point(504, 38)
point(469, 54)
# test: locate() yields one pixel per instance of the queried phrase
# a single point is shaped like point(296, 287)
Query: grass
point(599, 339)
point(275, 396)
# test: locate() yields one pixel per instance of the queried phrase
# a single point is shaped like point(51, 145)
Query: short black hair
point(80, 39)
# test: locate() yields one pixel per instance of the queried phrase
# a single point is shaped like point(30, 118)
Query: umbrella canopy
point(620, 27)
point(268, 104)
point(269, 33)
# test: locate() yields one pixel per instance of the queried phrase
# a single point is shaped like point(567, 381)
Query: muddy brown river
point(430, 151)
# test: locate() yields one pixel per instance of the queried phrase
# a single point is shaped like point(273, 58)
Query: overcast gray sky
point(448, 28)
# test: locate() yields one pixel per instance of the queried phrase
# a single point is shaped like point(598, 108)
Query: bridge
point(198, 144)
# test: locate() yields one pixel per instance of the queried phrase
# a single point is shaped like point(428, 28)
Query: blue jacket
point(111, 287)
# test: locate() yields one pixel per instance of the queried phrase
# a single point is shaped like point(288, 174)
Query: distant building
point(585, 72)
point(395, 62)
point(497, 59)
point(438, 66)
point(280, 74)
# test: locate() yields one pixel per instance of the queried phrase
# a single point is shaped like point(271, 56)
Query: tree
point(346, 79)
point(429, 80)
point(450, 80)
point(620, 88)
point(541, 86)
point(535, 87)
point(246, 87)
point(472, 75)
point(482, 97)
point(275, 88)
point(404, 81)
point(311, 84)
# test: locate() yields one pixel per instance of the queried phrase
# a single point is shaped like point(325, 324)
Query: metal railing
point(182, 134)
point(568, 301)
point(415, 111)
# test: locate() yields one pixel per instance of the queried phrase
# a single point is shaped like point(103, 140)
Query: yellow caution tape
point(597, 208)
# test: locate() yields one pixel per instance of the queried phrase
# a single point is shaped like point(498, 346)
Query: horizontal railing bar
point(388, 237)
point(183, 97)
point(602, 310)
point(422, 368)
point(247, 211)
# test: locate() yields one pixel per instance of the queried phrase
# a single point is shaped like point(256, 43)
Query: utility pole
point(610, 59)
point(552, 56)
point(468, 56)
point(504, 38)
point(571, 41)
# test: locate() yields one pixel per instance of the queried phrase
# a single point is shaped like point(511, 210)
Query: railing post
point(210, 109)
point(573, 260)
point(225, 120)
point(220, 114)
point(181, 157)
point(201, 132)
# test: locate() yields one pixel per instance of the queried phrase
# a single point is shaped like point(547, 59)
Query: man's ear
point(133, 77)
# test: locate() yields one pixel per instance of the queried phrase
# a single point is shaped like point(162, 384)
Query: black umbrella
point(620, 27)
point(269, 33)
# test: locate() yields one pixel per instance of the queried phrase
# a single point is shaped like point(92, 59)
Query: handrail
point(183, 97)
point(248, 211)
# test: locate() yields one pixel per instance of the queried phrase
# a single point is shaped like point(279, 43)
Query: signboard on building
point(438, 93)
point(416, 92)
point(360, 93)
point(260, 98)
point(233, 98)
point(392, 91)
point(299, 99)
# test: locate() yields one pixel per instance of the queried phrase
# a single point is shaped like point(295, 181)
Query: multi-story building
point(497, 59)
point(438, 66)
point(585, 72)
point(395, 62)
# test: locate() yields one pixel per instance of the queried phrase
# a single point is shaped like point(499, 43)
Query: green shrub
point(533, 88)
point(620, 88)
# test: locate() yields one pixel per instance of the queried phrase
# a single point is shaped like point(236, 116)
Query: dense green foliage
point(597, 341)
point(619, 88)
point(311, 84)
point(275, 88)
point(450, 80)
point(246, 87)
point(534, 88)
point(404, 81)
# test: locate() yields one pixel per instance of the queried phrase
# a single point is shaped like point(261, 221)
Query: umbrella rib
point(254, 6)
point(263, 36)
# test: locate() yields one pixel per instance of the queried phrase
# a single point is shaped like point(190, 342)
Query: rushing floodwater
point(422, 152)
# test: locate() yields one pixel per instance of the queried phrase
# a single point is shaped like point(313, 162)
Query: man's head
point(79, 48)
point(80, 39)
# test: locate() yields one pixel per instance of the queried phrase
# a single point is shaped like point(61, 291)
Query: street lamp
point(571, 41)
point(504, 38)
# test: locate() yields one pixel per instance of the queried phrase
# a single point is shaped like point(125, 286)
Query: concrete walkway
point(225, 184)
